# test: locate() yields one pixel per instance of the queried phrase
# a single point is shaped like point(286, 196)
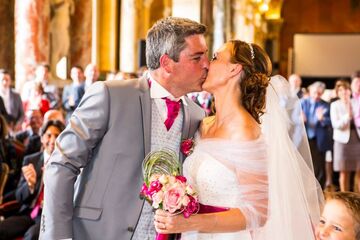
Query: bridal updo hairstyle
point(255, 76)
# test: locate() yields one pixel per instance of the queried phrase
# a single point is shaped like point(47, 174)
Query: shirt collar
point(158, 91)
point(46, 157)
point(5, 92)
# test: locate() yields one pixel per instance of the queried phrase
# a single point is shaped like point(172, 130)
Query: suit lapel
point(145, 103)
point(40, 162)
point(186, 126)
point(38, 168)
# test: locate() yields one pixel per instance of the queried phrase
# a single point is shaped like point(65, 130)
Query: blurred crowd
point(332, 122)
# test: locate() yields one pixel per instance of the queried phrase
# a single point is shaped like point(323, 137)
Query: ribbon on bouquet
point(202, 210)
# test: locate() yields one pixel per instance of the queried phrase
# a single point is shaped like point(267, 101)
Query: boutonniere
point(187, 146)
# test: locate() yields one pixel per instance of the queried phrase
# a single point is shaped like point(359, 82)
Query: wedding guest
point(42, 75)
point(73, 93)
point(316, 115)
point(346, 138)
point(295, 84)
point(340, 218)
point(37, 99)
point(30, 137)
point(9, 156)
point(355, 102)
point(355, 88)
point(204, 100)
point(142, 71)
point(91, 74)
point(54, 114)
point(12, 101)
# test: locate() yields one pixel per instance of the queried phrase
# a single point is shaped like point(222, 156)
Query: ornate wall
point(32, 22)
point(80, 48)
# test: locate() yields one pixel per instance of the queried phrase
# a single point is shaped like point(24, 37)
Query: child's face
point(336, 222)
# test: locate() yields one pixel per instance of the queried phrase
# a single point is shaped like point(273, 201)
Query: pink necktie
point(173, 108)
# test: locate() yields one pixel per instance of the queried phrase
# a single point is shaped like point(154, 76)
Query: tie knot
point(172, 102)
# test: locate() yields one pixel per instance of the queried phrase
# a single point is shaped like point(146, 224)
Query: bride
point(244, 160)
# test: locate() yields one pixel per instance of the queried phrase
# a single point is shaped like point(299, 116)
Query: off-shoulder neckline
point(212, 139)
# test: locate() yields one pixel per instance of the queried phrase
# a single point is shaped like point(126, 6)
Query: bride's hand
point(167, 223)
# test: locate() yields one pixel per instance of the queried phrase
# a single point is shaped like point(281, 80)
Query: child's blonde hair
point(352, 202)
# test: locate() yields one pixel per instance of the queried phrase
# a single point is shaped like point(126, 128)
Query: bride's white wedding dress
point(212, 169)
point(271, 180)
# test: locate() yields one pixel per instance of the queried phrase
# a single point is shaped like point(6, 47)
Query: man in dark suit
point(316, 114)
point(12, 100)
point(29, 192)
point(30, 137)
point(74, 92)
point(295, 84)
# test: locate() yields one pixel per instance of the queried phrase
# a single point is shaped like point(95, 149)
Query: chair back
point(3, 178)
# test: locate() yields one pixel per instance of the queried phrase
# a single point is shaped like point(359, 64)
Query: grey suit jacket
point(108, 137)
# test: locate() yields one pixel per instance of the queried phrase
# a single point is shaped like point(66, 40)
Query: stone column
point(243, 21)
point(206, 16)
point(128, 35)
point(81, 33)
point(106, 34)
point(7, 41)
point(219, 24)
point(187, 8)
point(31, 37)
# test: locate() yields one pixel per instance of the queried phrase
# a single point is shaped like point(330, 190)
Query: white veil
point(295, 196)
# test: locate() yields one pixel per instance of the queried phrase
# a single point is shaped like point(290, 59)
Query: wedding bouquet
point(165, 188)
point(171, 193)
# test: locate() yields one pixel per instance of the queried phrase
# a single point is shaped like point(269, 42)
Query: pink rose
point(191, 208)
point(181, 178)
point(154, 187)
point(187, 146)
point(173, 198)
point(144, 190)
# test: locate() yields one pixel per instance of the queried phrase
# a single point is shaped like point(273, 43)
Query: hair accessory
point(252, 51)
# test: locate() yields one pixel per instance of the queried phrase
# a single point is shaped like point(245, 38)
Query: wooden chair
point(3, 178)
point(11, 206)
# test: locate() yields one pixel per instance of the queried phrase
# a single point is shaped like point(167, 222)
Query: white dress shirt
point(158, 92)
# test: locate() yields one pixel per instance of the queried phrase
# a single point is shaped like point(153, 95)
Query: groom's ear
point(166, 63)
point(235, 69)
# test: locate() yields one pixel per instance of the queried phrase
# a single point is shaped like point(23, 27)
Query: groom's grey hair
point(167, 36)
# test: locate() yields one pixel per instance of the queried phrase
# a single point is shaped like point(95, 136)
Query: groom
point(93, 180)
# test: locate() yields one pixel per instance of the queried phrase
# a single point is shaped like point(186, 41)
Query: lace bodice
point(230, 174)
